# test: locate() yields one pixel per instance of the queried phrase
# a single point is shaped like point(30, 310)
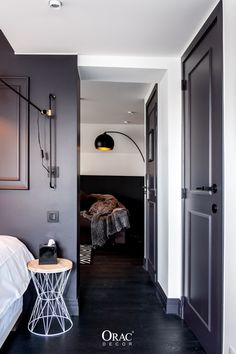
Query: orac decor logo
point(113, 339)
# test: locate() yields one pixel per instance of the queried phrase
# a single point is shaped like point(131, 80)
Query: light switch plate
point(53, 216)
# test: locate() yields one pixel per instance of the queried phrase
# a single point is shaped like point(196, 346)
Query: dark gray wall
point(24, 213)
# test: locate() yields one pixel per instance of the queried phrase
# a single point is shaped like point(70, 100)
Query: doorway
point(116, 109)
point(130, 188)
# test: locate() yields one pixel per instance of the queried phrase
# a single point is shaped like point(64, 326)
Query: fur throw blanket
point(108, 216)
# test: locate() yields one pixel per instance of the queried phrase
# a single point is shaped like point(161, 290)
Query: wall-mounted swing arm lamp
point(105, 142)
point(48, 113)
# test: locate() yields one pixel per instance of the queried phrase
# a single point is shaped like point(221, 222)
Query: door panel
point(202, 70)
point(14, 132)
point(151, 184)
point(152, 238)
point(200, 121)
point(199, 274)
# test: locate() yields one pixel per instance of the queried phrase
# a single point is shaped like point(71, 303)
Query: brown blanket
point(107, 216)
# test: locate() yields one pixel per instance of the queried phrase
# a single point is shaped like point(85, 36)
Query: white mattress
point(14, 275)
point(8, 320)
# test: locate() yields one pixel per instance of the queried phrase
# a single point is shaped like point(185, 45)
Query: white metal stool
point(50, 316)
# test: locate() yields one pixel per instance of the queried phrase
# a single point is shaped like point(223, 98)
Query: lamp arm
point(127, 136)
point(44, 112)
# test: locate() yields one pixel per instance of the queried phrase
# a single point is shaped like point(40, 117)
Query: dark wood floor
point(116, 295)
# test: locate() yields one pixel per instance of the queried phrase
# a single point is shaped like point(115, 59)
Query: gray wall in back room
point(23, 213)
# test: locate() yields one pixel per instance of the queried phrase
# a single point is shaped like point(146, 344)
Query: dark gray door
point(151, 184)
point(202, 70)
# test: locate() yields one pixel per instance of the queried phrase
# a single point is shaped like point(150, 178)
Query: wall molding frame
point(14, 134)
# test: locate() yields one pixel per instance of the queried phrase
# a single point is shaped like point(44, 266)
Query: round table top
point(61, 266)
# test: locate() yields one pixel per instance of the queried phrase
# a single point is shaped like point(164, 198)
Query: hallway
point(116, 295)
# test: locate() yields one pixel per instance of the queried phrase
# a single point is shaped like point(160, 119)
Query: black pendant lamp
point(105, 142)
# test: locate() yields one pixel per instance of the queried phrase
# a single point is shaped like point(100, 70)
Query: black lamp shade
point(104, 142)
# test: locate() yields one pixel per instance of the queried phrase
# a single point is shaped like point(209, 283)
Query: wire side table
point(50, 316)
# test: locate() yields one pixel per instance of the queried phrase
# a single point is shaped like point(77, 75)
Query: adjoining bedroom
point(112, 177)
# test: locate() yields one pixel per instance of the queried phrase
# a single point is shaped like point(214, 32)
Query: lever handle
point(214, 208)
point(212, 189)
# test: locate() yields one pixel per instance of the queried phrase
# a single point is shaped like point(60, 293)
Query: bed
point(14, 280)
point(104, 218)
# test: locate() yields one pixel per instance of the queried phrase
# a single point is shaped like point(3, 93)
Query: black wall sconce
point(47, 113)
point(105, 142)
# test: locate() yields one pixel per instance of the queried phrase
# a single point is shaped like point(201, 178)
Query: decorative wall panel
point(14, 134)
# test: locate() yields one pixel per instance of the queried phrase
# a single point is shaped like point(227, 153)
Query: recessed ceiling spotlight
point(131, 113)
point(55, 4)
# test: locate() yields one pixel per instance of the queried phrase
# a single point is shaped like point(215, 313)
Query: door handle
point(212, 189)
point(214, 208)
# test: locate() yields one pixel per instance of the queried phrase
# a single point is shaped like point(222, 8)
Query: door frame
point(153, 92)
point(216, 15)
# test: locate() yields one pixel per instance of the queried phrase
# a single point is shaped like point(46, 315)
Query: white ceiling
point(109, 102)
point(103, 27)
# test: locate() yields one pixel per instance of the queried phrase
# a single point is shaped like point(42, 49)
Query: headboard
point(127, 189)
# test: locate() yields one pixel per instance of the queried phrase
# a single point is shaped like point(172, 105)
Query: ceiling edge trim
point(43, 53)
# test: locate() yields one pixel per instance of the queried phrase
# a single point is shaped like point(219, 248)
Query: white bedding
point(14, 275)
point(8, 320)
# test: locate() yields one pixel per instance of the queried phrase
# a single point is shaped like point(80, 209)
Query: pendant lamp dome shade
point(104, 142)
